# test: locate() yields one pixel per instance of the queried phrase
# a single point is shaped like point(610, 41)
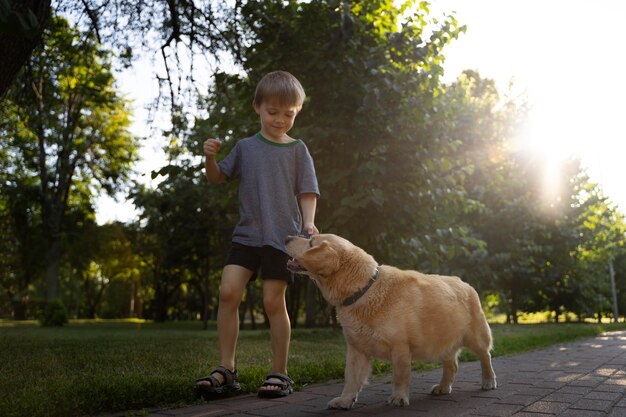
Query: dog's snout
point(304, 235)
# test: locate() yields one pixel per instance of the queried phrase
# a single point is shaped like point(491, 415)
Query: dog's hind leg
point(450, 366)
point(480, 343)
point(358, 368)
point(488, 375)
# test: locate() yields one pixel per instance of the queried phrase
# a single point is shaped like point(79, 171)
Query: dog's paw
point(398, 400)
point(488, 384)
point(342, 403)
point(441, 390)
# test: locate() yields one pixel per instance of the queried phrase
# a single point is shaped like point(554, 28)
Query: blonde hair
point(281, 86)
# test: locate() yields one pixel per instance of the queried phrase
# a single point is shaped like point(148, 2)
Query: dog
point(394, 315)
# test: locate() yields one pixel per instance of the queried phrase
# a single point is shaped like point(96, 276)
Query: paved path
point(586, 378)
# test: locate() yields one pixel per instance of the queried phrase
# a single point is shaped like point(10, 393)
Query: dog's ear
point(322, 260)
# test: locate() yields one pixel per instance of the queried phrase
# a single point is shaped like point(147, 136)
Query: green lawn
point(91, 368)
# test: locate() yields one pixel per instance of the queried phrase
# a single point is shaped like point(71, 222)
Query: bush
point(54, 314)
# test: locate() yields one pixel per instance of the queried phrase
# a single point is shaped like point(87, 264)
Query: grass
point(97, 367)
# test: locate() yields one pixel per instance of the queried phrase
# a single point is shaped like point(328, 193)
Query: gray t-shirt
point(272, 176)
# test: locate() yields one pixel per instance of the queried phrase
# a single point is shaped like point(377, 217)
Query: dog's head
point(316, 256)
point(337, 266)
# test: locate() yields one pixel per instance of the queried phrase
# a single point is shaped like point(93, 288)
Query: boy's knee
point(274, 305)
point(229, 295)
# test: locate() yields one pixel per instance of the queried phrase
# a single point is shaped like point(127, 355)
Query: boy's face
point(276, 119)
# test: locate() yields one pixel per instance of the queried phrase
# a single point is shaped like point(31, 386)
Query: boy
point(276, 173)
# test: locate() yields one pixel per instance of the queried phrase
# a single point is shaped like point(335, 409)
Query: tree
point(489, 239)
point(603, 231)
point(370, 83)
point(97, 258)
point(561, 211)
point(619, 264)
point(22, 243)
point(66, 130)
point(21, 26)
point(183, 238)
point(184, 37)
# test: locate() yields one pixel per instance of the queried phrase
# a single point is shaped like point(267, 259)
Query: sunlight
point(577, 108)
point(546, 139)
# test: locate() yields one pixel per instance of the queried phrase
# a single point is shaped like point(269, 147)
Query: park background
point(484, 143)
point(444, 172)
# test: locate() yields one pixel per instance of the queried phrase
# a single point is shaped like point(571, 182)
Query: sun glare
point(552, 143)
point(577, 104)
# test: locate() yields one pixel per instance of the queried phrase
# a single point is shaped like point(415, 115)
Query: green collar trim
point(270, 142)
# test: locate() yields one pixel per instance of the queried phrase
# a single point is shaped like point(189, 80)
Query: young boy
point(278, 194)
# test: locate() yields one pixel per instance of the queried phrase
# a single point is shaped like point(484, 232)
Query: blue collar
point(355, 297)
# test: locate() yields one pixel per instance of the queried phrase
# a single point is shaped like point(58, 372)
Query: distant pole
point(613, 290)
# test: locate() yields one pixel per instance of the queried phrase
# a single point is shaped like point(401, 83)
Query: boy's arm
point(308, 203)
point(212, 170)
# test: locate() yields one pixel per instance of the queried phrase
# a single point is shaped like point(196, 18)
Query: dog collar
point(355, 297)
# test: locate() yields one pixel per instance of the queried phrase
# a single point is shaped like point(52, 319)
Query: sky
point(565, 56)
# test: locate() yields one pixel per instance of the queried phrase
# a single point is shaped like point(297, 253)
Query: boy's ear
point(256, 107)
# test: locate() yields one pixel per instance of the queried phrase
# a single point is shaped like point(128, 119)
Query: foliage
point(182, 240)
point(65, 139)
point(369, 90)
point(181, 37)
point(54, 314)
point(98, 258)
point(352, 60)
point(421, 174)
point(495, 226)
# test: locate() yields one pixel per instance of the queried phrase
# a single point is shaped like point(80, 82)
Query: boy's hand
point(310, 229)
point(211, 147)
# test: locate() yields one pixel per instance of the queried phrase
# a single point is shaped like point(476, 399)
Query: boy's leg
point(234, 280)
point(280, 326)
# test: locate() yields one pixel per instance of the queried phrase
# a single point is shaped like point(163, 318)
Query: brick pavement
point(586, 378)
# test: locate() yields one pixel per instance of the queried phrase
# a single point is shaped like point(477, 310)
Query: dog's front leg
point(401, 366)
point(358, 368)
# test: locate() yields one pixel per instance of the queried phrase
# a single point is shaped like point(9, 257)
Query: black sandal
point(285, 384)
point(230, 383)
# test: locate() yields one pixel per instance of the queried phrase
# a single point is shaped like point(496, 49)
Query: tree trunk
point(205, 302)
point(138, 300)
point(19, 305)
point(513, 308)
point(91, 311)
point(613, 291)
point(161, 297)
point(53, 256)
point(247, 305)
point(293, 301)
point(309, 304)
point(17, 45)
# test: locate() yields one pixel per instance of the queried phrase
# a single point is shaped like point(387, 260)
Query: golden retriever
point(394, 315)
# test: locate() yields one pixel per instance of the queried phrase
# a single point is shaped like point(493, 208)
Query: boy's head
point(280, 87)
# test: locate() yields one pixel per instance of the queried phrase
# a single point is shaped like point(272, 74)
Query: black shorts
point(273, 262)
